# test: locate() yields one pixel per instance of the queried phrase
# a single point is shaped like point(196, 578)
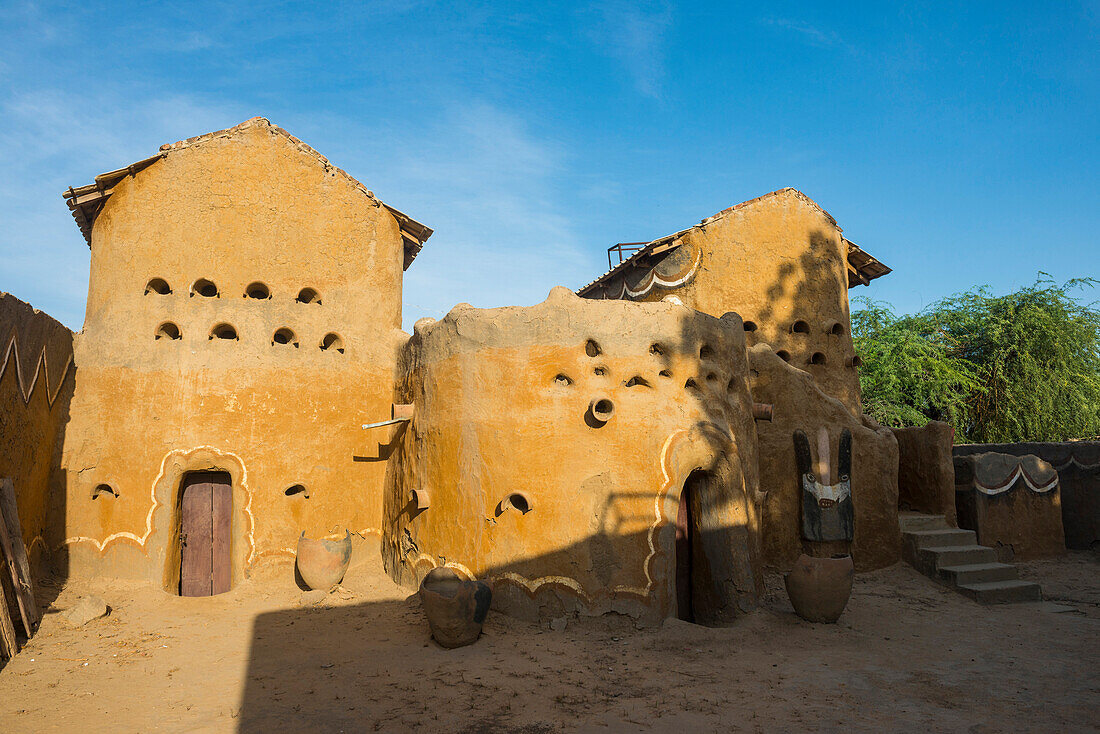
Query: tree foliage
point(1019, 367)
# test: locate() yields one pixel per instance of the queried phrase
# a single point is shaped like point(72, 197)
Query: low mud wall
point(1078, 467)
point(36, 384)
point(926, 475)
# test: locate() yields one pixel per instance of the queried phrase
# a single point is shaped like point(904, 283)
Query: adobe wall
point(242, 207)
point(1013, 503)
point(502, 410)
point(1078, 467)
point(36, 383)
point(926, 474)
point(799, 403)
point(781, 263)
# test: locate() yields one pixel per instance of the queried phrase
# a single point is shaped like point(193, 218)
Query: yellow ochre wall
point(774, 260)
point(501, 402)
point(246, 205)
point(36, 382)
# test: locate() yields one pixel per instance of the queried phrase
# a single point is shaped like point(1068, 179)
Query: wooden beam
point(90, 198)
point(858, 275)
point(10, 512)
point(13, 570)
point(9, 644)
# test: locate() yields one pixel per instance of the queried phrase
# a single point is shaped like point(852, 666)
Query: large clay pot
point(322, 563)
point(455, 607)
point(819, 587)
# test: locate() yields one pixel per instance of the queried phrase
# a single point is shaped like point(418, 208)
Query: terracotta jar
point(323, 563)
point(456, 608)
point(819, 587)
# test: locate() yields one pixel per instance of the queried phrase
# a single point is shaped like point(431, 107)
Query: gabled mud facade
point(550, 447)
point(243, 316)
point(781, 262)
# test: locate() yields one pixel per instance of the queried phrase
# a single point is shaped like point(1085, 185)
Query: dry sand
point(908, 655)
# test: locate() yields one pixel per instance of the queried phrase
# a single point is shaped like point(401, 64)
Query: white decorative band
point(1008, 483)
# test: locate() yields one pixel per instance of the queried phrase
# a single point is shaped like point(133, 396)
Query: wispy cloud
point(808, 33)
point(633, 33)
point(492, 189)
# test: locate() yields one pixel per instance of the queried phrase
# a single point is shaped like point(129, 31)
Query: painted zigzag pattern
point(11, 355)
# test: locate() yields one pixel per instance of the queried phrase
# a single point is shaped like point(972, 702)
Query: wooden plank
point(9, 645)
point(10, 511)
point(221, 528)
point(13, 571)
point(195, 539)
point(85, 199)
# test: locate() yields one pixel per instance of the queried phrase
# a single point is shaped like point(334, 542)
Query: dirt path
point(907, 656)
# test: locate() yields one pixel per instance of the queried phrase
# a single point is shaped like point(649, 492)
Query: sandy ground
point(908, 655)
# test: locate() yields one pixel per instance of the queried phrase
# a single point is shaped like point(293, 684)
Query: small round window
point(205, 288)
point(159, 286)
point(168, 330)
point(223, 331)
point(284, 336)
point(332, 342)
point(257, 290)
point(308, 295)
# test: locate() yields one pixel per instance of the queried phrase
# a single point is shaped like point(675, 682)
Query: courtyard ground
point(908, 655)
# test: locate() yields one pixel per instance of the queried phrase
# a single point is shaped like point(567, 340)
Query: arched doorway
point(206, 513)
point(687, 545)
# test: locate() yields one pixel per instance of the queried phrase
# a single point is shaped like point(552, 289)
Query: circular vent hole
point(519, 502)
point(284, 336)
point(308, 295)
point(159, 286)
point(332, 341)
point(223, 331)
point(204, 288)
point(104, 489)
point(257, 290)
point(168, 330)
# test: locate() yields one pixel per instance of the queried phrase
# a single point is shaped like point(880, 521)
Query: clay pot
point(456, 608)
point(322, 563)
point(819, 587)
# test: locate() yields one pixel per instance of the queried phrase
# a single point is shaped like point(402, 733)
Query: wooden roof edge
point(632, 260)
point(867, 265)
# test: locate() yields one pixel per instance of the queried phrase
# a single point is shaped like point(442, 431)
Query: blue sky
point(957, 144)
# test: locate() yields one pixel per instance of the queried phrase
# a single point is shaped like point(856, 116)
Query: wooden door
point(205, 517)
point(684, 531)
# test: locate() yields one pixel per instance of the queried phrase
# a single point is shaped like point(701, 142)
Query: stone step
point(942, 537)
point(1002, 592)
point(978, 573)
point(919, 521)
point(957, 555)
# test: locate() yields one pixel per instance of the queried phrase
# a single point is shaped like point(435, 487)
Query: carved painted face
point(827, 512)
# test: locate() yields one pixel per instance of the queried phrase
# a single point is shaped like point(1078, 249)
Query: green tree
point(1019, 367)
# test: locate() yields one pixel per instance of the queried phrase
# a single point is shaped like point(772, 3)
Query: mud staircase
point(953, 557)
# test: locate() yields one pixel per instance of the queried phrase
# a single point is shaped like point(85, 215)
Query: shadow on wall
point(37, 378)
